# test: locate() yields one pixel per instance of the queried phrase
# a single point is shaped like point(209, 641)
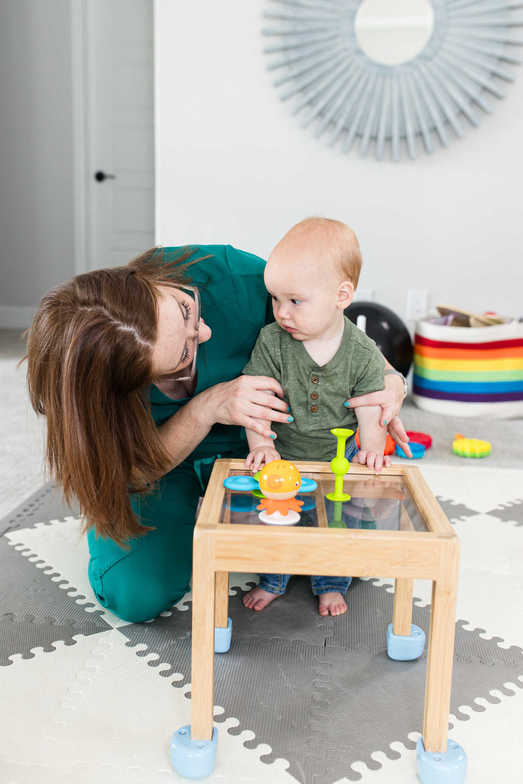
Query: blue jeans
point(277, 583)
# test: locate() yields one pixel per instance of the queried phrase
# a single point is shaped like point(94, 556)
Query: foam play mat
point(299, 698)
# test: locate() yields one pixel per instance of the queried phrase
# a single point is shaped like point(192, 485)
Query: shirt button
point(314, 396)
point(315, 379)
point(314, 409)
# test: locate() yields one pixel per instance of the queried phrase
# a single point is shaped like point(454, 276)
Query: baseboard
point(13, 317)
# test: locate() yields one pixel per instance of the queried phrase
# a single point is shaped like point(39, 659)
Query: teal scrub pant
point(140, 582)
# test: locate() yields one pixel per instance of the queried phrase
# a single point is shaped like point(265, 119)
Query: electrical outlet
point(417, 304)
point(364, 295)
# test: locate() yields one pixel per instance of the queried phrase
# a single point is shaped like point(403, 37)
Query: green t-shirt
point(235, 305)
point(316, 393)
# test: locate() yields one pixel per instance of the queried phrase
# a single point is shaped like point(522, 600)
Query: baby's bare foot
point(331, 603)
point(258, 599)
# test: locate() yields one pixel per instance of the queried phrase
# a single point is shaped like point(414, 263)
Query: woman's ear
point(345, 294)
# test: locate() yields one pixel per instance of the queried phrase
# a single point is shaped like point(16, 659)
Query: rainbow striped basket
point(469, 371)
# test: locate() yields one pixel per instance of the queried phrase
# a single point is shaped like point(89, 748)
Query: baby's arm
point(261, 451)
point(264, 361)
point(372, 438)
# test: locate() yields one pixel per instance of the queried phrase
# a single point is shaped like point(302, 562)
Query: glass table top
point(382, 503)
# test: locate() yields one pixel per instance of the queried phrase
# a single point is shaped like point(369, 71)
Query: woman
point(141, 396)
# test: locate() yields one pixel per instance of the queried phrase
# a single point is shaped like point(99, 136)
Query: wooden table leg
point(441, 654)
point(221, 610)
point(202, 669)
point(402, 614)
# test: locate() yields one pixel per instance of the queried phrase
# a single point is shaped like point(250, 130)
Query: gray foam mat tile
point(41, 595)
point(22, 636)
point(265, 684)
point(42, 612)
point(293, 616)
point(364, 691)
point(454, 510)
point(45, 504)
point(511, 512)
point(160, 635)
point(365, 622)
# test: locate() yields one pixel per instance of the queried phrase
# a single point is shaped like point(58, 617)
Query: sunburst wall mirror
point(393, 76)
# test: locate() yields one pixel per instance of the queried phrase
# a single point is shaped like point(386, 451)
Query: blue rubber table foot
point(222, 637)
point(193, 759)
point(401, 647)
point(438, 767)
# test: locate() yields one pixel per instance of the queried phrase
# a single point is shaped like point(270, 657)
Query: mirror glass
point(394, 32)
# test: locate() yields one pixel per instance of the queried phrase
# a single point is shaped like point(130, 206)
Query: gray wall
point(36, 154)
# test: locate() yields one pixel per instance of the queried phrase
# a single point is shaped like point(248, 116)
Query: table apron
point(391, 555)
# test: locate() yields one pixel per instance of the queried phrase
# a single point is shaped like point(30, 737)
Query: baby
point(320, 359)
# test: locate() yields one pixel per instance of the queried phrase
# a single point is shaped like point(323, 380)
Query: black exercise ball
point(387, 330)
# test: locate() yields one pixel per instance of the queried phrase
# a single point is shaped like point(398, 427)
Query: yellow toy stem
point(337, 521)
point(339, 465)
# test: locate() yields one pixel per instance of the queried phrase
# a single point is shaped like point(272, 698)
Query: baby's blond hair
point(341, 243)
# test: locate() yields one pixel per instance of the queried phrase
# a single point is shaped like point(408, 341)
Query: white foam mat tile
point(490, 545)
point(494, 604)
point(491, 740)
point(61, 545)
point(479, 486)
point(108, 715)
point(33, 690)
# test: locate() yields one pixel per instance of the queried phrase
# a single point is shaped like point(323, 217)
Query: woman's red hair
point(89, 371)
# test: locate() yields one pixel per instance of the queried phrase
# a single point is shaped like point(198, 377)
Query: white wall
point(234, 166)
point(36, 177)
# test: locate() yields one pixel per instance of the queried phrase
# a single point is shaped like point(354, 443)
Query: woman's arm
point(252, 402)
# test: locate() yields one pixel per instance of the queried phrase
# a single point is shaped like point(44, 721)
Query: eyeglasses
point(194, 294)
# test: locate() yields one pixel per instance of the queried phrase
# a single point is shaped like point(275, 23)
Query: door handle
point(100, 176)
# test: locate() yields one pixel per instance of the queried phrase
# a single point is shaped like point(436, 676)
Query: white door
point(118, 89)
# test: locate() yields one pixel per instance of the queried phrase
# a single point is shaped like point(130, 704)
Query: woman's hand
point(397, 431)
point(252, 402)
point(390, 400)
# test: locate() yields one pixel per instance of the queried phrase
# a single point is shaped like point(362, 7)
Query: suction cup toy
point(339, 465)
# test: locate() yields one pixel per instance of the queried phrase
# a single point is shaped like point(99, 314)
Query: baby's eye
point(186, 310)
point(295, 301)
point(274, 299)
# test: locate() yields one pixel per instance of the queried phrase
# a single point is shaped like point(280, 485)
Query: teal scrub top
point(235, 305)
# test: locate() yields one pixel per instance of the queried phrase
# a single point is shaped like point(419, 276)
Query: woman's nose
point(203, 332)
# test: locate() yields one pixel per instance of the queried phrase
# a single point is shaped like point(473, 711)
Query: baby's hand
point(374, 460)
point(259, 456)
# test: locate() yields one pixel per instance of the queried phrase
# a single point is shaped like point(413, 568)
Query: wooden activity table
point(392, 527)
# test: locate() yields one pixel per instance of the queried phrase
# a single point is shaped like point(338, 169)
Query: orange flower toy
point(279, 482)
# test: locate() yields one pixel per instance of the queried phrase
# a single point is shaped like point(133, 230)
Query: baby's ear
point(345, 294)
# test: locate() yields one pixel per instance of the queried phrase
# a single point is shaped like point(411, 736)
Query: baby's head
point(312, 274)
